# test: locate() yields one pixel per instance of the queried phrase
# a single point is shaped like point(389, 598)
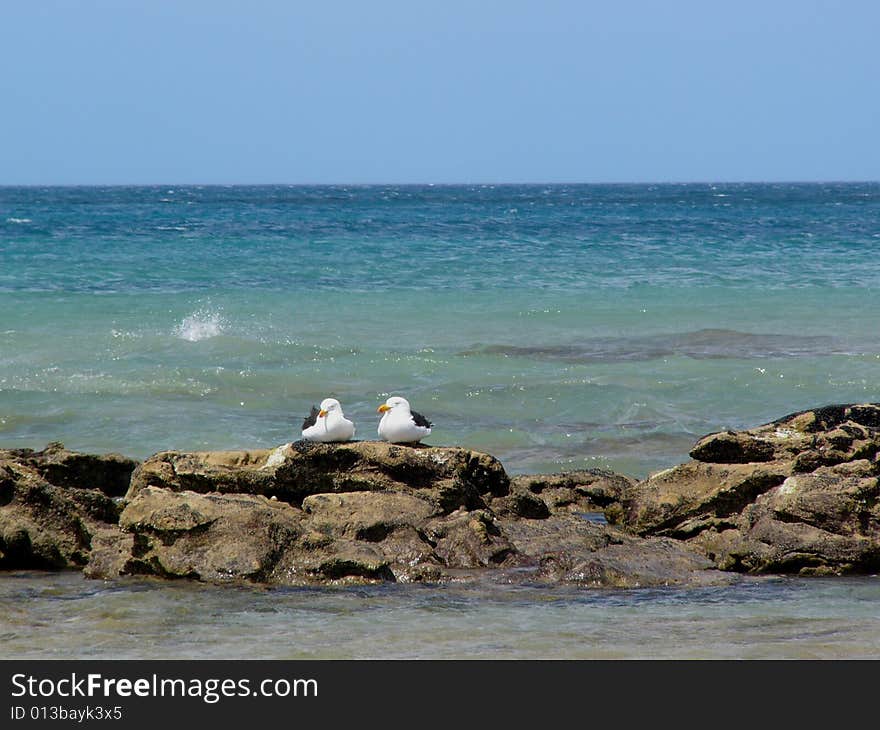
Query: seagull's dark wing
point(311, 419)
point(420, 420)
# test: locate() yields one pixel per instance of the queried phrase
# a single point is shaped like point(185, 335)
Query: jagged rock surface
point(54, 503)
point(798, 495)
point(369, 511)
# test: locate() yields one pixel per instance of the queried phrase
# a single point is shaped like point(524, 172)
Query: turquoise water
point(556, 327)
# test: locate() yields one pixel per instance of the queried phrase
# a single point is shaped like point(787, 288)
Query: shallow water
point(62, 615)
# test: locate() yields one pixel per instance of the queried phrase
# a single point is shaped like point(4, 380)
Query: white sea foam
point(200, 325)
point(19, 220)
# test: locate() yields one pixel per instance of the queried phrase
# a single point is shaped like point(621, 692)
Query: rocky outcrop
point(54, 503)
point(367, 512)
point(450, 477)
point(360, 537)
point(798, 495)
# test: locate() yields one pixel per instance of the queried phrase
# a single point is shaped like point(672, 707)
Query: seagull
point(328, 423)
point(399, 424)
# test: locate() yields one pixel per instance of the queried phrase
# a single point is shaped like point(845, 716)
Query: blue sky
point(267, 91)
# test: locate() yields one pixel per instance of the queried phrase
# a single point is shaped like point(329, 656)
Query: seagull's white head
point(329, 405)
point(395, 401)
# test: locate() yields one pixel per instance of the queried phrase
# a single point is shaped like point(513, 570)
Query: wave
point(200, 325)
point(705, 344)
point(19, 220)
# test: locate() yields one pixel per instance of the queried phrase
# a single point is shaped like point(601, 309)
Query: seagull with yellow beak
point(328, 423)
point(400, 424)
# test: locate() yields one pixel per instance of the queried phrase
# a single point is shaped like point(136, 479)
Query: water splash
point(200, 325)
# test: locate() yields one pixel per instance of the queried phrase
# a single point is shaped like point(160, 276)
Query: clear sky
point(320, 91)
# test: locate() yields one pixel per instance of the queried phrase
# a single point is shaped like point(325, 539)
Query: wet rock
point(108, 473)
point(675, 501)
point(732, 448)
point(211, 537)
point(469, 540)
point(569, 549)
point(805, 501)
point(44, 526)
point(588, 490)
point(403, 534)
point(521, 503)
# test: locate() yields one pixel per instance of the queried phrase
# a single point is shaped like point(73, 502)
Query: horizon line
point(830, 181)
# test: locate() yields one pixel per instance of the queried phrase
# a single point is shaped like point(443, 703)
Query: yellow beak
point(321, 414)
point(383, 408)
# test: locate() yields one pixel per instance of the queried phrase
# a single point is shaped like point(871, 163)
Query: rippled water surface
point(553, 326)
point(65, 616)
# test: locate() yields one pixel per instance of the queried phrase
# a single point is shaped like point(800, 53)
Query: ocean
point(556, 327)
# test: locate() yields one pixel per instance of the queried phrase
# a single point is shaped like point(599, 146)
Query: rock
point(809, 439)
point(521, 503)
point(367, 512)
point(366, 537)
point(683, 500)
point(370, 517)
point(110, 552)
point(827, 522)
point(732, 448)
point(222, 538)
point(450, 477)
point(798, 495)
point(588, 490)
point(469, 540)
point(212, 537)
point(570, 549)
point(108, 473)
point(44, 526)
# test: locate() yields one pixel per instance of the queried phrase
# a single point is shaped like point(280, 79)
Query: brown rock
point(450, 477)
point(796, 495)
point(469, 540)
point(365, 537)
point(732, 448)
point(569, 549)
point(45, 526)
point(827, 522)
point(673, 502)
point(212, 537)
point(108, 473)
point(367, 516)
point(588, 490)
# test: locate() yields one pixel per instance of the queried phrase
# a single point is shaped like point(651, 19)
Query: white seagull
point(328, 423)
point(401, 425)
